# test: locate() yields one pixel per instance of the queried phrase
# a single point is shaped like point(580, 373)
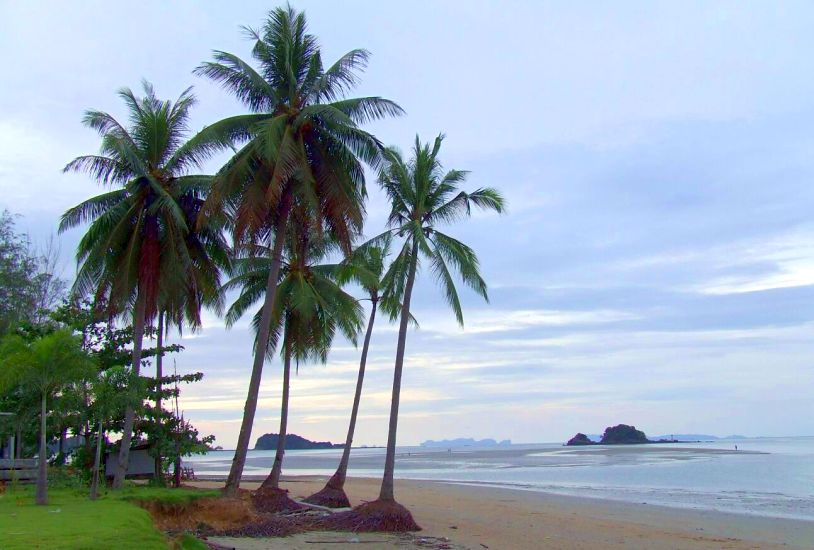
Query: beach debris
point(271, 500)
point(330, 497)
point(379, 515)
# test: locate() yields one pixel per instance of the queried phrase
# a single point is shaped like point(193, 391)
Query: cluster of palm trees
point(289, 200)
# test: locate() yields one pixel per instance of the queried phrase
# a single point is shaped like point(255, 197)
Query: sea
point(772, 477)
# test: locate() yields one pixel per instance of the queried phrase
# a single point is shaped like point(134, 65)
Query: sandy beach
point(477, 517)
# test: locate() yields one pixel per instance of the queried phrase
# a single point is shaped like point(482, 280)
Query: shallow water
point(766, 476)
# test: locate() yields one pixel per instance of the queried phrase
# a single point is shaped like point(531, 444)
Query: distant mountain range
point(466, 442)
point(680, 437)
point(697, 437)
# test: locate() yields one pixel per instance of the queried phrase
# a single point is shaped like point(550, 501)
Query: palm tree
point(45, 366)
point(301, 142)
point(139, 252)
point(309, 309)
point(366, 268)
point(423, 196)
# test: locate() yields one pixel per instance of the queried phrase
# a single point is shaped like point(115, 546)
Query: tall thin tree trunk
point(18, 447)
point(337, 481)
point(242, 448)
point(159, 373)
point(62, 441)
point(97, 462)
point(386, 492)
point(42, 463)
point(273, 479)
point(130, 411)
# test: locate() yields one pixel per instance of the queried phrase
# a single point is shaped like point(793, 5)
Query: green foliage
point(141, 240)
point(310, 306)
point(302, 139)
point(422, 197)
point(45, 365)
point(28, 285)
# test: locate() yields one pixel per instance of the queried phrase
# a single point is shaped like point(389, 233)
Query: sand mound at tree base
point(330, 497)
point(272, 500)
point(379, 515)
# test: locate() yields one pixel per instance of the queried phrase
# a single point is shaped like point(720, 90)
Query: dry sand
point(478, 517)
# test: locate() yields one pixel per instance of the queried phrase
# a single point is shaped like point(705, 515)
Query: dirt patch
point(210, 513)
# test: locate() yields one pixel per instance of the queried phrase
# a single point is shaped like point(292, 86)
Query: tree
point(309, 309)
point(45, 366)
point(422, 196)
point(366, 268)
point(139, 255)
point(108, 402)
point(301, 142)
point(28, 283)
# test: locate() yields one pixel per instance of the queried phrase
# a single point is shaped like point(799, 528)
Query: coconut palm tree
point(422, 197)
point(366, 268)
point(309, 309)
point(300, 142)
point(44, 366)
point(140, 255)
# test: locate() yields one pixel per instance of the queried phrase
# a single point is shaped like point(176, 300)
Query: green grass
point(71, 520)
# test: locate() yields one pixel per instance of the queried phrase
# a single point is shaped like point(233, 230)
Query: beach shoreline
point(482, 516)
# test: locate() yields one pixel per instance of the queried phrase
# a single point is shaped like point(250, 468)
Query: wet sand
point(478, 517)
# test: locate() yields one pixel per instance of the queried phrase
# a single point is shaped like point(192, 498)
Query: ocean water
point(766, 476)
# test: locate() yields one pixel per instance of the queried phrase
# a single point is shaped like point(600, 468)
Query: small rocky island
point(621, 434)
point(268, 442)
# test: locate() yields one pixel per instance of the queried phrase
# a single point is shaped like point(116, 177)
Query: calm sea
point(765, 476)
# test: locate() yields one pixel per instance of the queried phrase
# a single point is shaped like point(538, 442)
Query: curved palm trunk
point(42, 463)
point(337, 481)
point(239, 460)
point(159, 374)
point(273, 479)
point(97, 462)
point(386, 492)
point(130, 411)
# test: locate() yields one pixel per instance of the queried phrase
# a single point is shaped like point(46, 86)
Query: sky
point(656, 263)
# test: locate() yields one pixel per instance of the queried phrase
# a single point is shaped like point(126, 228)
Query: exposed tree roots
point(271, 500)
point(379, 515)
point(330, 497)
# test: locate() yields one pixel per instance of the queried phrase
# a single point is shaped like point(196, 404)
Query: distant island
point(466, 442)
point(268, 442)
point(621, 434)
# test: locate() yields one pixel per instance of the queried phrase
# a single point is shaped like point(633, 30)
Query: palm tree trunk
point(273, 479)
point(242, 448)
point(159, 373)
point(337, 481)
point(42, 463)
point(130, 412)
point(94, 485)
point(386, 492)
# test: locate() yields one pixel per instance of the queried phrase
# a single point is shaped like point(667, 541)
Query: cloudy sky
point(656, 265)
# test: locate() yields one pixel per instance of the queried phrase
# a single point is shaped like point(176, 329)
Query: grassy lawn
point(72, 521)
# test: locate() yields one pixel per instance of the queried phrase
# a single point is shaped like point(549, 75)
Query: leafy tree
point(28, 283)
point(140, 255)
point(422, 197)
point(300, 143)
point(108, 402)
point(46, 366)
